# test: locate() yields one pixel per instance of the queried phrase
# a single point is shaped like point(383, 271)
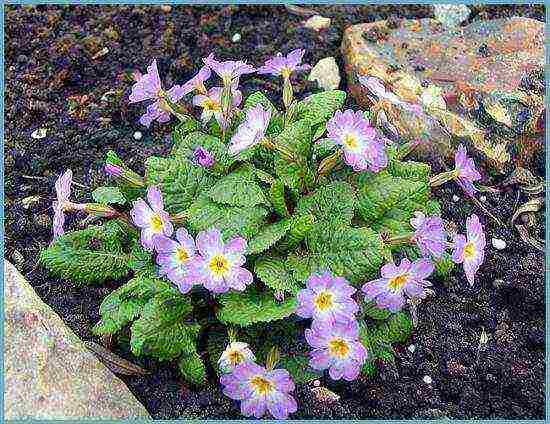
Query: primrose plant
point(268, 246)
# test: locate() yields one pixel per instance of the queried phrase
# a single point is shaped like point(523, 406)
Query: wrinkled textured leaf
point(274, 273)
point(108, 195)
point(238, 189)
point(268, 236)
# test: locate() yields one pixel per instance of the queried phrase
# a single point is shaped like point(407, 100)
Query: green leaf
point(298, 367)
point(323, 148)
point(126, 303)
point(332, 203)
point(238, 189)
point(215, 345)
point(443, 266)
point(409, 170)
point(300, 226)
point(277, 198)
point(89, 256)
point(192, 369)
point(268, 236)
point(380, 194)
point(319, 108)
point(181, 130)
point(253, 306)
point(353, 253)
point(161, 330)
point(179, 181)
point(399, 327)
point(275, 274)
point(297, 139)
point(204, 214)
point(372, 311)
point(108, 195)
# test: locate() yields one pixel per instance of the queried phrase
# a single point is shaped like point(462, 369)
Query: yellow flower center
point(338, 347)
point(351, 142)
point(323, 301)
point(469, 250)
point(397, 283)
point(210, 104)
point(219, 265)
point(235, 357)
point(182, 255)
point(261, 385)
point(156, 223)
point(285, 72)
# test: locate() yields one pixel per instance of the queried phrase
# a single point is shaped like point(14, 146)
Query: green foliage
point(372, 311)
point(238, 189)
point(333, 203)
point(443, 266)
point(204, 214)
point(108, 195)
point(298, 367)
point(300, 226)
point(183, 151)
point(319, 108)
point(89, 256)
point(162, 329)
point(189, 125)
point(277, 198)
point(192, 368)
point(268, 236)
point(253, 306)
point(275, 274)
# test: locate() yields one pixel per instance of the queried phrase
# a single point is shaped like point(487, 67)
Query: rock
point(236, 37)
point(451, 15)
point(326, 73)
point(138, 135)
point(39, 133)
point(473, 65)
point(498, 244)
point(427, 379)
point(49, 374)
point(317, 22)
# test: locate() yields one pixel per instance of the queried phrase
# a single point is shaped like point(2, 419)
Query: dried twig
point(114, 362)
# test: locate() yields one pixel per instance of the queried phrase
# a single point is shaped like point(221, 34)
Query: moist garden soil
point(60, 77)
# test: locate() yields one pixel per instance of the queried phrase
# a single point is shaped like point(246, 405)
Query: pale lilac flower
point(280, 65)
point(337, 347)
point(203, 157)
point(211, 104)
point(251, 131)
point(470, 251)
point(175, 256)
point(363, 147)
point(430, 235)
point(234, 354)
point(467, 172)
point(219, 266)
point(376, 87)
point(260, 390)
point(327, 298)
point(149, 87)
point(63, 204)
point(397, 281)
point(197, 82)
point(152, 220)
point(229, 71)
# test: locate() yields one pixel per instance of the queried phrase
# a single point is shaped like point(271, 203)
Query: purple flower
point(149, 87)
point(251, 131)
point(229, 71)
point(152, 220)
point(260, 390)
point(470, 251)
point(234, 354)
point(211, 104)
point(376, 87)
point(203, 157)
point(467, 172)
point(327, 298)
point(430, 235)
point(174, 258)
point(113, 170)
point(363, 148)
point(280, 65)
point(407, 278)
point(219, 266)
point(63, 204)
point(337, 347)
point(197, 82)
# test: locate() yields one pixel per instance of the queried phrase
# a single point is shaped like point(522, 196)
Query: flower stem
point(443, 177)
point(282, 150)
point(406, 149)
point(272, 358)
point(400, 239)
point(328, 163)
point(180, 217)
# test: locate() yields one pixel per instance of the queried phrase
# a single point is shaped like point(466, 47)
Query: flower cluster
point(208, 261)
point(334, 333)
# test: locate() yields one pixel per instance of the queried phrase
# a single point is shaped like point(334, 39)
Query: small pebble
point(236, 37)
point(411, 348)
point(317, 22)
point(427, 379)
point(483, 198)
point(138, 135)
point(455, 198)
point(498, 244)
point(39, 133)
point(316, 383)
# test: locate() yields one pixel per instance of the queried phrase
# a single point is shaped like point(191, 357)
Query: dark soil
point(50, 57)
